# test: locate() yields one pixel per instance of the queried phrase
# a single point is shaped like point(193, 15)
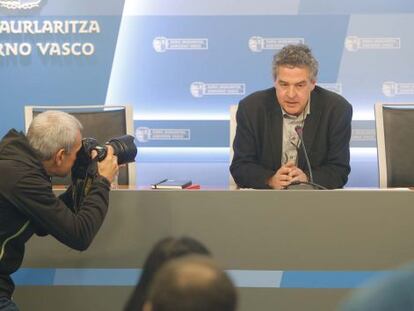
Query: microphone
point(304, 185)
point(299, 131)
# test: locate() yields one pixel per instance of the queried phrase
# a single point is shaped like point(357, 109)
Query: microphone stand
point(308, 185)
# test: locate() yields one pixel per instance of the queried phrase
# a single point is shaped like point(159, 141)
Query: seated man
point(267, 151)
point(191, 283)
point(27, 203)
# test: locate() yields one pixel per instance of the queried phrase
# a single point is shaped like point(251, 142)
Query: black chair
point(395, 144)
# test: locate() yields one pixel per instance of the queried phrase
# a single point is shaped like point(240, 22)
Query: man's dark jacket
point(28, 205)
point(258, 141)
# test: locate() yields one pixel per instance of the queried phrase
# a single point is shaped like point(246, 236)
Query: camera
point(84, 170)
point(124, 148)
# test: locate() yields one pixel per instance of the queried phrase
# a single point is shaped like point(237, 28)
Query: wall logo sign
point(391, 88)
point(354, 43)
point(200, 89)
point(366, 137)
point(33, 29)
point(163, 44)
point(257, 44)
point(145, 134)
point(20, 4)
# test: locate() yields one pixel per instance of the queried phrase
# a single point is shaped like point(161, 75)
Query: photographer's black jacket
point(28, 205)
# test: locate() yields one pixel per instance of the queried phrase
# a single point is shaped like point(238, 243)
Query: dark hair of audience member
point(164, 250)
point(191, 283)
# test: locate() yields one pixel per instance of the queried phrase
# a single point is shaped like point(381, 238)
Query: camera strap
point(82, 186)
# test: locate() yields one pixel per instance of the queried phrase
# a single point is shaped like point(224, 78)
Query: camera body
point(123, 146)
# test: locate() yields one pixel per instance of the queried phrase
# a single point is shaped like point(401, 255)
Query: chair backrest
point(233, 126)
point(395, 144)
point(100, 122)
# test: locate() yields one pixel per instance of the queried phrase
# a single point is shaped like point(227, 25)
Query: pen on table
point(160, 182)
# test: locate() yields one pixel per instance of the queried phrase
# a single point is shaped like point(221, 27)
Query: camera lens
point(124, 148)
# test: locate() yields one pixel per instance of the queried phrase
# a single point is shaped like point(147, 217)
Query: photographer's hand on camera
point(108, 167)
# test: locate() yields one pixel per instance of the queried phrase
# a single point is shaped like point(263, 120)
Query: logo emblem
point(197, 89)
point(159, 44)
point(389, 88)
point(20, 4)
point(352, 43)
point(256, 44)
point(142, 134)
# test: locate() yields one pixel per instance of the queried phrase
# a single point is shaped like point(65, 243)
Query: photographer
point(27, 202)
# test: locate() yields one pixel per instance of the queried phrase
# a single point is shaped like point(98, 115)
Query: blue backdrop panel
point(378, 49)
point(158, 83)
point(38, 79)
point(182, 64)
